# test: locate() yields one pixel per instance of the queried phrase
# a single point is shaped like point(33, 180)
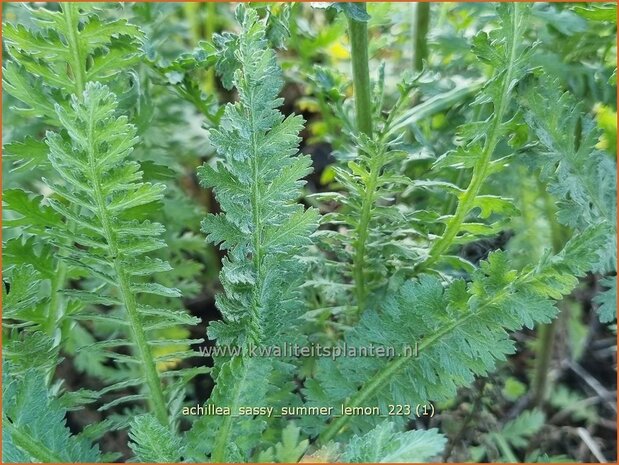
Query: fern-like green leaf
point(257, 181)
point(504, 51)
point(607, 301)
point(517, 431)
point(71, 47)
point(154, 443)
point(580, 176)
point(375, 243)
point(106, 187)
point(241, 381)
point(461, 331)
point(291, 447)
point(20, 294)
point(33, 423)
point(385, 445)
point(51, 57)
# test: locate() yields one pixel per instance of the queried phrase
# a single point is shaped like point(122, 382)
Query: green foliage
point(503, 51)
point(579, 175)
point(289, 450)
point(380, 233)
point(384, 445)
point(23, 295)
point(353, 11)
point(376, 232)
point(572, 403)
point(462, 330)
point(240, 382)
point(180, 74)
point(517, 431)
point(32, 215)
point(113, 241)
point(606, 12)
point(153, 442)
point(66, 50)
point(25, 155)
point(504, 443)
point(257, 182)
point(52, 56)
point(458, 208)
point(513, 389)
point(33, 423)
point(607, 301)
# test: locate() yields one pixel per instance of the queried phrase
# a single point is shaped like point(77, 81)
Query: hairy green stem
point(358, 32)
point(421, 22)
point(56, 302)
point(71, 15)
point(546, 338)
point(256, 201)
point(367, 202)
point(480, 170)
point(156, 399)
point(362, 231)
point(33, 447)
point(56, 305)
point(546, 333)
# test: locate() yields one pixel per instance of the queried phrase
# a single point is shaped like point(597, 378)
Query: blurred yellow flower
point(606, 119)
point(337, 51)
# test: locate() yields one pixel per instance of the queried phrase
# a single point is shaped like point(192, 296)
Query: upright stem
point(358, 32)
point(382, 377)
point(222, 440)
point(256, 202)
point(480, 170)
point(546, 338)
point(71, 15)
point(362, 232)
point(546, 333)
point(421, 21)
point(56, 304)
